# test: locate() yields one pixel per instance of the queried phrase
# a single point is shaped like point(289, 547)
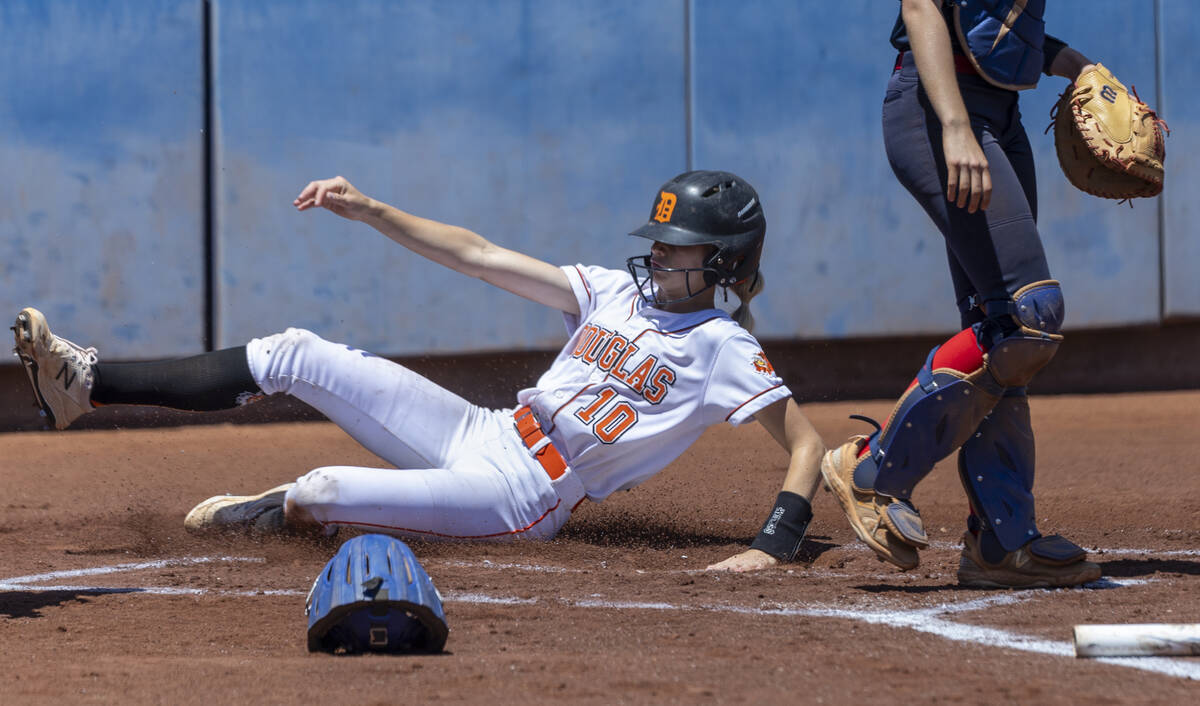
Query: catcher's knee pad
point(952, 393)
point(996, 465)
point(374, 596)
point(1017, 354)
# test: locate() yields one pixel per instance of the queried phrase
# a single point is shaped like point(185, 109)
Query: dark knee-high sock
point(209, 381)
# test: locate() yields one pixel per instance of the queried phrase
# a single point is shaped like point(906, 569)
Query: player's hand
point(968, 181)
point(749, 560)
point(337, 195)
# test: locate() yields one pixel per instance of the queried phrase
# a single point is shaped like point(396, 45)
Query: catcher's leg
point(874, 476)
point(994, 255)
point(996, 465)
point(1002, 546)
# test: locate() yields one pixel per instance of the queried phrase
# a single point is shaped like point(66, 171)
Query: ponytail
point(746, 290)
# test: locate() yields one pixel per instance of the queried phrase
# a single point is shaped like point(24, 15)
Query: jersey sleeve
point(742, 382)
point(593, 287)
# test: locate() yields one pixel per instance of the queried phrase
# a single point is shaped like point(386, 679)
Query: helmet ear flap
point(720, 270)
point(714, 267)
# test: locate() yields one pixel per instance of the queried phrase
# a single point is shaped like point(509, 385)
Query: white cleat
point(256, 514)
point(60, 371)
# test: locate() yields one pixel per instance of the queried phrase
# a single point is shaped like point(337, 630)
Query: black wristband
point(783, 531)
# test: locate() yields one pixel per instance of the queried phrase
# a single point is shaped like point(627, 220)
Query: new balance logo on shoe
point(67, 375)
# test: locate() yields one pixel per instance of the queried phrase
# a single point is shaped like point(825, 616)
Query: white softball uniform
point(633, 387)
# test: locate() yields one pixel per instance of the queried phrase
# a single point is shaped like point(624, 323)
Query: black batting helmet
point(709, 208)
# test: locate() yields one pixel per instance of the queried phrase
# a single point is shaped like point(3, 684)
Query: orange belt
point(538, 443)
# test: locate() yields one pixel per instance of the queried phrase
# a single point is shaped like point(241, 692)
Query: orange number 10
point(615, 421)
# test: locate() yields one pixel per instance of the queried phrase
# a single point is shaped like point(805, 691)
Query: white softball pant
point(462, 471)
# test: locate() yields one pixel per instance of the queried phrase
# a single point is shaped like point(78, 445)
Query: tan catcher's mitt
point(1109, 142)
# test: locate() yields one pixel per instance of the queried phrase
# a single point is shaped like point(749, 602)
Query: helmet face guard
point(704, 208)
point(642, 269)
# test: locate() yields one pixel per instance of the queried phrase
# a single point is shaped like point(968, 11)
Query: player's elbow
point(473, 256)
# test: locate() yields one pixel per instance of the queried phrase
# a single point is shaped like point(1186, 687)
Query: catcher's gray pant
point(991, 255)
point(461, 471)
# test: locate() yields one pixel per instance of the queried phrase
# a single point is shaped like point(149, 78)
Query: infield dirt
point(617, 609)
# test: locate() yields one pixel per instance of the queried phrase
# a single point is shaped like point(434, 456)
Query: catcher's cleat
point(252, 514)
point(60, 371)
point(868, 511)
point(1024, 568)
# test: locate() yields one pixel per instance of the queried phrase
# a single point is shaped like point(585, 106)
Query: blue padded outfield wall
point(1181, 202)
point(101, 147)
point(545, 125)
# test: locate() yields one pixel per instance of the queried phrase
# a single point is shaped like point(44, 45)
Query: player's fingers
point(322, 195)
point(976, 189)
point(951, 182)
point(964, 186)
point(987, 189)
point(306, 193)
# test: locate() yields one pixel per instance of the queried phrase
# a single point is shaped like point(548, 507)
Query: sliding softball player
point(648, 365)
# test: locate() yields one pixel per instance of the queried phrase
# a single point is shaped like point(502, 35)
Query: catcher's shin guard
point(960, 383)
point(952, 393)
point(996, 466)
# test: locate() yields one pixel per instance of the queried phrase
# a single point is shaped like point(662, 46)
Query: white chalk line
point(601, 566)
point(824, 573)
point(1146, 552)
point(451, 597)
point(1103, 583)
point(489, 564)
point(1102, 551)
point(150, 590)
point(25, 583)
point(120, 568)
point(926, 620)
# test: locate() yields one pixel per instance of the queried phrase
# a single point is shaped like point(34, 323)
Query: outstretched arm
point(459, 249)
point(788, 425)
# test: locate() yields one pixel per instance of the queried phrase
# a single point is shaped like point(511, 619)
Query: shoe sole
point(200, 518)
point(845, 498)
point(23, 337)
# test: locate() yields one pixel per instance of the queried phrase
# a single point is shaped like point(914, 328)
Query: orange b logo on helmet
point(666, 206)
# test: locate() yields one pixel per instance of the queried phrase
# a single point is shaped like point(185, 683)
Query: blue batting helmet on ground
point(374, 596)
